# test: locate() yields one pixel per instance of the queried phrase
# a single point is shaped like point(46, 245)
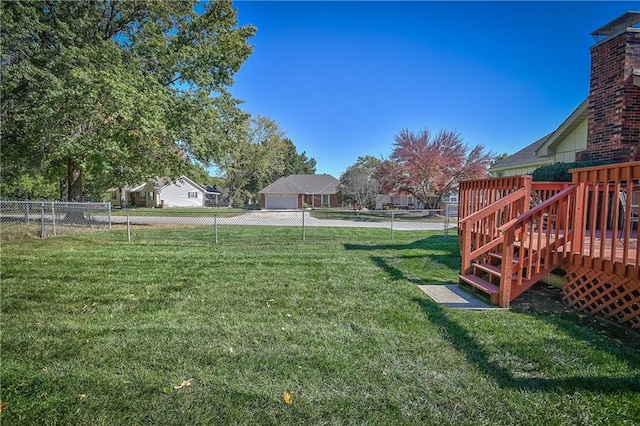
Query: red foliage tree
point(428, 167)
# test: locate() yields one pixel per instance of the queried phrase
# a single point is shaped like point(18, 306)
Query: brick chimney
point(613, 132)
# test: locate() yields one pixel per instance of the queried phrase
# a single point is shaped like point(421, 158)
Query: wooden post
point(465, 247)
point(578, 224)
point(504, 296)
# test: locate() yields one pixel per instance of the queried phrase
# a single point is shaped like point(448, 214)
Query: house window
point(193, 194)
point(114, 196)
point(325, 200)
point(392, 200)
point(143, 196)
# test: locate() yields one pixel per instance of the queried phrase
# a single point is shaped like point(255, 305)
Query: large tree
point(295, 163)
point(359, 185)
point(428, 166)
point(261, 155)
point(117, 91)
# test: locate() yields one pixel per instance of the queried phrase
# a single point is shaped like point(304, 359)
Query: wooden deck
point(612, 248)
point(588, 228)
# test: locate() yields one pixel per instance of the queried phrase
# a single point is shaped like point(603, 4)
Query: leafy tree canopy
point(358, 184)
point(117, 91)
point(498, 158)
point(427, 166)
point(260, 155)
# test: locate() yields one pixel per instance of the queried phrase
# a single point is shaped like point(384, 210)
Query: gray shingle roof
point(525, 156)
point(303, 184)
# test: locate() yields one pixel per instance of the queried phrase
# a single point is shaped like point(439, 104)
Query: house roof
point(159, 183)
point(577, 116)
point(211, 189)
point(525, 157)
point(538, 153)
point(303, 184)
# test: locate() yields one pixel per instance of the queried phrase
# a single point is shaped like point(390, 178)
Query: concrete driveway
point(286, 218)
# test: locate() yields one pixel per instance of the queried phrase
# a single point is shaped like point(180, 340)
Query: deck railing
point(474, 195)
point(607, 209)
point(535, 243)
point(479, 231)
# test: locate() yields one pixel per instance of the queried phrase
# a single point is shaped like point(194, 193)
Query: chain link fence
point(227, 224)
point(27, 219)
point(37, 219)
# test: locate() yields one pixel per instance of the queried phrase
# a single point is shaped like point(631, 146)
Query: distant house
point(394, 201)
point(212, 196)
point(300, 191)
point(166, 192)
point(114, 196)
point(606, 125)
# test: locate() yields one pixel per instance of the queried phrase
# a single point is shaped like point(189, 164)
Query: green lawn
point(376, 215)
point(173, 329)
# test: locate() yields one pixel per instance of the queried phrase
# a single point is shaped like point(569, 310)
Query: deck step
point(482, 285)
point(498, 256)
point(489, 268)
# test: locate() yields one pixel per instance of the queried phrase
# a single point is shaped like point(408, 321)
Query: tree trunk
point(74, 181)
point(64, 190)
point(74, 192)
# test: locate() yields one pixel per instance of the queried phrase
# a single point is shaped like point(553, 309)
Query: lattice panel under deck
point(602, 293)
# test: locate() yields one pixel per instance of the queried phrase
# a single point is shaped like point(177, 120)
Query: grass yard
point(376, 215)
point(173, 329)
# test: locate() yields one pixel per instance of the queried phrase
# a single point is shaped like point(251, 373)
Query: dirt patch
point(543, 298)
point(546, 299)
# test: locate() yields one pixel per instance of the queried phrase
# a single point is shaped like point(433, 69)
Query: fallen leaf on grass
point(3, 405)
point(81, 396)
point(287, 397)
point(184, 384)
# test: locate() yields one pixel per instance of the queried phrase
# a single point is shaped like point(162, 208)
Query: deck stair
point(486, 277)
point(514, 231)
point(508, 245)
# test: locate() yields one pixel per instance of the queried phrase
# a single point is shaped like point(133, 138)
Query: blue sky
point(343, 78)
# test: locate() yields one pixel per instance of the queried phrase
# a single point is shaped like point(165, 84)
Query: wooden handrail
point(536, 209)
point(492, 208)
point(479, 230)
point(605, 217)
point(476, 194)
point(545, 234)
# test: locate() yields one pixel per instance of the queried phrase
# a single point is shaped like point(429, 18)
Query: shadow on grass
point(460, 338)
point(475, 353)
point(434, 242)
point(439, 249)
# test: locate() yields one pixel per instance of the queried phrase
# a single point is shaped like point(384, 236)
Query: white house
point(163, 192)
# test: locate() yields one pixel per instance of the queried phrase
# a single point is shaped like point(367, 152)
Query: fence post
point(215, 226)
point(41, 220)
point(392, 214)
point(53, 218)
point(109, 214)
point(304, 236)
point(446, 221)
point(28, 204)
point(128, 228)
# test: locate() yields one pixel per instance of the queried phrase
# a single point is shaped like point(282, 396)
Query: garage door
point(281, 202)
